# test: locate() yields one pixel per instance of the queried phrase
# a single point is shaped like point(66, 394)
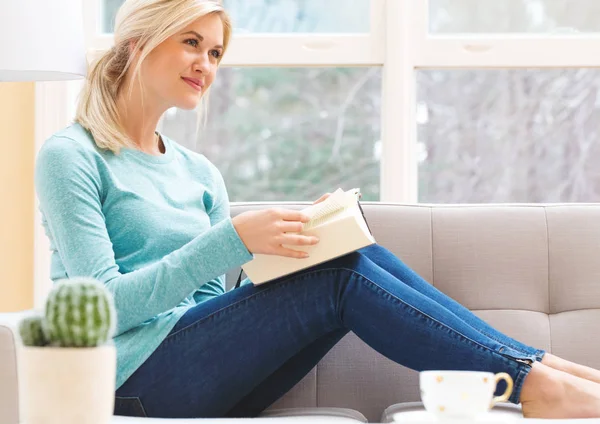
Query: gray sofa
point(533, 271)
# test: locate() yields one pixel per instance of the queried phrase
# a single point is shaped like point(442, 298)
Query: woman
point(130, 207)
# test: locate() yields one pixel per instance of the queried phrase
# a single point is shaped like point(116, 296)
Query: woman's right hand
point(264, 231)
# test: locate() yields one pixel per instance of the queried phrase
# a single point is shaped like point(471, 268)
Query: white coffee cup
point(461, 394)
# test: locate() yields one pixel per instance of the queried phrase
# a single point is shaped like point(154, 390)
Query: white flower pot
point(61, 385)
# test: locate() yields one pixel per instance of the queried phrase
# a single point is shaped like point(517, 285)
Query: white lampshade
point(41, 40)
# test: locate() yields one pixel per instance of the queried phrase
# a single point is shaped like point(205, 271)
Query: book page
point(334, 206)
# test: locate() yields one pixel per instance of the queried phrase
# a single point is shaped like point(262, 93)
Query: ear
point(132, 46)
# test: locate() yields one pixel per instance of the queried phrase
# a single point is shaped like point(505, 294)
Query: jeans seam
point(509, 345)
point(537, 353)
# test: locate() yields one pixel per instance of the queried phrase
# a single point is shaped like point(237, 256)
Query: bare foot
point(578, 370)
point(550, 393)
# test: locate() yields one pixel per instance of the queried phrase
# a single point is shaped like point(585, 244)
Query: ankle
point(542, 382)
point(569, 367)
point(555, 362)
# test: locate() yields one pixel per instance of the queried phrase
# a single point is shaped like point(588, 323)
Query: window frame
point(500, 50)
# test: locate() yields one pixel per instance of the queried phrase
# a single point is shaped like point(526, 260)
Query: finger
point(322, 198)
point(290, 253)
point(290, 226)
point(292, 215)
point(299, 240)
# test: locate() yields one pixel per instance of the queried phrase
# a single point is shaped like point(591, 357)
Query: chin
point(188, 104)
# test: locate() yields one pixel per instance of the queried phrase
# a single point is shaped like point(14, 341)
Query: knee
point(374, 251)
point(351, 261)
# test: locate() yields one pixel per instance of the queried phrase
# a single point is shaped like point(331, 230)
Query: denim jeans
point(234, 355)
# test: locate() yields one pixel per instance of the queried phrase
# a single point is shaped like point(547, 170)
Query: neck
point(140, 119)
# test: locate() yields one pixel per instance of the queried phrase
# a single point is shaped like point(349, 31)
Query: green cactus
point(30, 329)
point(79, 313)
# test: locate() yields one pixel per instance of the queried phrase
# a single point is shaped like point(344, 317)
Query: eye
point(192, 42)
point(216, 54)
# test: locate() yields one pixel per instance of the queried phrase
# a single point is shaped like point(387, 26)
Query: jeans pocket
point(130, 406)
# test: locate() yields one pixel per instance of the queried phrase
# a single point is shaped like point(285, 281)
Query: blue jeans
point(234, 355)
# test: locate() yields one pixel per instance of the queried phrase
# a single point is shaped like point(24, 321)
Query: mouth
point(194, 83)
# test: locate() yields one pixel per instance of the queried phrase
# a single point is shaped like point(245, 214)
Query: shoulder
point(68, 153)
point(73, 145)
point(72, 141)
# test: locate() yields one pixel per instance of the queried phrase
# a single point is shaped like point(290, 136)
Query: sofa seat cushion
point(316, 415)
point(415, 411)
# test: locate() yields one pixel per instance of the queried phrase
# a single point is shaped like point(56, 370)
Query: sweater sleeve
point(220, 210)
point(69, 188)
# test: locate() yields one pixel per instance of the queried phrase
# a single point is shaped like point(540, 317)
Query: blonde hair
point(146, 23)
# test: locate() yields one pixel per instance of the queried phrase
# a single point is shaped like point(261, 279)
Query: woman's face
point(180, 70)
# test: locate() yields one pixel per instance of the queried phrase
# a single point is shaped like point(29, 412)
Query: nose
point(202, 64)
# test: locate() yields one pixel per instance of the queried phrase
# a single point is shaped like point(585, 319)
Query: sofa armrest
point(9, 389)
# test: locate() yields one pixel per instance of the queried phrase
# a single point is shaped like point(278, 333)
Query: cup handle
point(509, 388)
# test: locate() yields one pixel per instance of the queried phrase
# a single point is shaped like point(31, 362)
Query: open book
point(339, 224)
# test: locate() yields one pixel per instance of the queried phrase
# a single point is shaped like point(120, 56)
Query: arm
point(220, 209)
point(69, 187)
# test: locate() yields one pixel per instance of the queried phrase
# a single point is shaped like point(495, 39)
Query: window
point(514, 16)
point(109, 12)
point(289, 133)
point(282, 16)
point(528, 135)
point(299, 16)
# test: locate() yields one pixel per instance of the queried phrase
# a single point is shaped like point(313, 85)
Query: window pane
point(283, 16)
point(502, 16)
point(508, 135)
point(110, 8)
point(289, 133)
point(299, 15)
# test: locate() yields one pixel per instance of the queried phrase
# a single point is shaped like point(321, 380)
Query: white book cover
point(339, 224)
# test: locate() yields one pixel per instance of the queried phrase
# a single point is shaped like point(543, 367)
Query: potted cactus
point(67, 358)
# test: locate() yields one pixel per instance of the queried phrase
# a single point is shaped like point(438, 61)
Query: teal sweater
point(155, 230)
